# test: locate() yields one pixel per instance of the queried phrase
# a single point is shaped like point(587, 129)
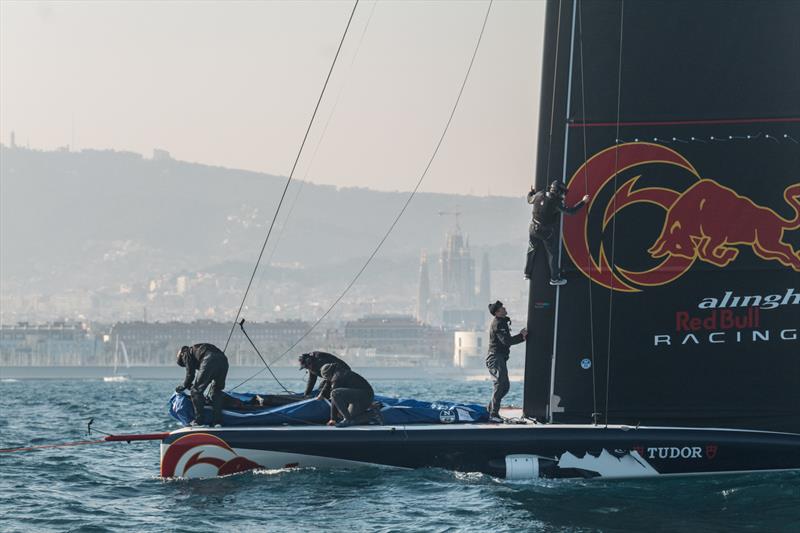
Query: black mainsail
point(681, 119)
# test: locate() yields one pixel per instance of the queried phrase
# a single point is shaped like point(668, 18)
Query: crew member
point(313, 362)
point(350, 394)
point(500, 343)
point(206, 365)
point(547, 205)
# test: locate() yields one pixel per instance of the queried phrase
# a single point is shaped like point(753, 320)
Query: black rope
point(241, 325)
point(289, 179)
point(586, 185)
point(400, 214)
point(614, 223)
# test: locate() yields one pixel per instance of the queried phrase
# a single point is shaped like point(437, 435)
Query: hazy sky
point(235, 83)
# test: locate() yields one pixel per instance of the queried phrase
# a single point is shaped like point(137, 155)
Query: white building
point(469, 349)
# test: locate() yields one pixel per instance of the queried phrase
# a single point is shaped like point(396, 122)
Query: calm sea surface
point(115, 486)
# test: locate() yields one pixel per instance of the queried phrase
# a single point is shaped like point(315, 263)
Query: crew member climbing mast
point(544, 227)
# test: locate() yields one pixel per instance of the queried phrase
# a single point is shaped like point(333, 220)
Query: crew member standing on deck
point(500, 343)
point(313, 362)
point(543, 231)
point(206, 365)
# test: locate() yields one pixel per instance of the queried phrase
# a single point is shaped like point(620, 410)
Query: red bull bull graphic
point(694, 228)
point(707, 221)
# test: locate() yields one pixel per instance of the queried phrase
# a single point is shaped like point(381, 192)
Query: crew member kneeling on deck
point(313, 362)
point(350, 394)
point(500, 343)
point(210, 365)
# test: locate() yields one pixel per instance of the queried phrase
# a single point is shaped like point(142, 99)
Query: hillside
point(81, 221)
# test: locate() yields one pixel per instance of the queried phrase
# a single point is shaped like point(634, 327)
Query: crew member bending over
point(313, 362)
point(206, 365)
point(350, 394)
point(500, 343)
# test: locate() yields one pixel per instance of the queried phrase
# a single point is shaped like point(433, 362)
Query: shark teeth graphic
point(608, 465)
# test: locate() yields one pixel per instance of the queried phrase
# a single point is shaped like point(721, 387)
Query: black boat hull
point(513, 451)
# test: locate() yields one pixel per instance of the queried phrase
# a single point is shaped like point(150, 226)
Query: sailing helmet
point(182, 354)
point(558, 187)
point(495, 306)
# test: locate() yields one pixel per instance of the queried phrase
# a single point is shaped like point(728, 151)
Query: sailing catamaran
point(674, 347)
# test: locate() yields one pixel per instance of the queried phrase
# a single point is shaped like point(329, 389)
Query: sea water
point(115, 486)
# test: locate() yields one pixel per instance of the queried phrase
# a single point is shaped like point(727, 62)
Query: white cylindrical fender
point(522, 467)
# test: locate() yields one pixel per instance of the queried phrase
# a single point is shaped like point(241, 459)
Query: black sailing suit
point(314, 364)
point(500, 343)
point(206, 365)
point(544, 229)
point(350, 393)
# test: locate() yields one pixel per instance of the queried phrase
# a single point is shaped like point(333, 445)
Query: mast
point(552, 401)
point(542, 298)
point(116, 353)
point(125, 354)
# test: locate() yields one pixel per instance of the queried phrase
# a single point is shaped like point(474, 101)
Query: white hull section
point(265, 460)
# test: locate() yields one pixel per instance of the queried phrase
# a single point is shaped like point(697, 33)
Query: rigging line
point(405, 206)
point(291, 174)
point(319, 142)
point(586, 185)
point(614, 223)
point(241, 325)
point(553, 95)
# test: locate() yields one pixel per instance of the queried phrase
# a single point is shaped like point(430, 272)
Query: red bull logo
point(707, 222)
point(202, 455)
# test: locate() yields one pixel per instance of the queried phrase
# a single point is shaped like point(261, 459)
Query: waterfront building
point(398, 335)
point(155, 343)
point(50, 344)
